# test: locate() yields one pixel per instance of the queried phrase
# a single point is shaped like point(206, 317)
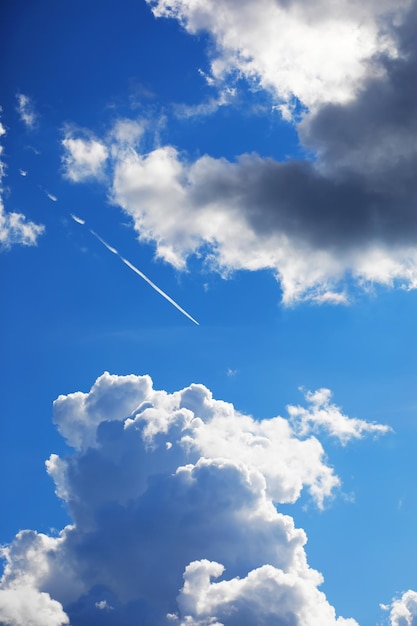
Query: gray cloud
point(346, 213)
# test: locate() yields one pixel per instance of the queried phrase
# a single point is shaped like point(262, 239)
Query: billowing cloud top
point(173, 498)
point(313, 51)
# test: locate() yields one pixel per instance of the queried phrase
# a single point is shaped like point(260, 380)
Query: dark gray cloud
point(362, 185)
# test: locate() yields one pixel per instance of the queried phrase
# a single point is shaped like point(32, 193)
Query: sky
point(208, 265)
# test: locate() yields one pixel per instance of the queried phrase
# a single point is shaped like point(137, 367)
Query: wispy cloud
point(26, 110)
point(322, 415)
point(15, 228)
point(51, 196)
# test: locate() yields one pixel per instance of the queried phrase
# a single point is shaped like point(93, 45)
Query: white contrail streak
point(109, 247)
point(163, 294)
point(77, 219)
point(135, 269)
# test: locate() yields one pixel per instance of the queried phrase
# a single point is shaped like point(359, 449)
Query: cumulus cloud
point(84, 158)
point(168, 491)
point(267, 595)
point(314, 52)
point(24, 606)
point(404, 610)
point(26, 110)
point(346, 216)
point(15, 228)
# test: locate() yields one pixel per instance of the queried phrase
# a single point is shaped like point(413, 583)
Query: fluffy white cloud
point(84, 158)
point(15, 228)
point(26, 110)
point(165, 485)
point(24, 606)
point(267, 595)
point(313, 51)
point(404, 610)
point(195, 425)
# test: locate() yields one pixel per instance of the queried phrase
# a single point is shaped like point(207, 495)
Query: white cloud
point(166, 483)
point(26, 110)
point(315, 51)
point(267, 595)
point(51, 196)
point(323, 226)
point(84, 158)
point(216, 204)
point(24, 606)
point(15, 228)
point(104, 606)
point(404, 610)
point(322, 415)
point(202, 426)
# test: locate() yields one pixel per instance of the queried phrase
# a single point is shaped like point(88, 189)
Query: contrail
point(135, 269)
point(77, 219)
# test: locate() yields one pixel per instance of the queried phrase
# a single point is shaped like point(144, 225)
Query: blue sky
point(256, 161)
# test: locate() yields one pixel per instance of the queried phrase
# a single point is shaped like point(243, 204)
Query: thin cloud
point(322, 415)
point(51, 196)
point(26, 110)
point(15, 228)
point(77, 219)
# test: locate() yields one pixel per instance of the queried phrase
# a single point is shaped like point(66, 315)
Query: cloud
point(167, 491)
point(83, 159)
point(51, 196)
point(26, 110)
point(404, 610)
point(267, 595)
point(15, 228)
point(314, 52)
point(23, 606)
point(344, 217)
point(321, 415)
